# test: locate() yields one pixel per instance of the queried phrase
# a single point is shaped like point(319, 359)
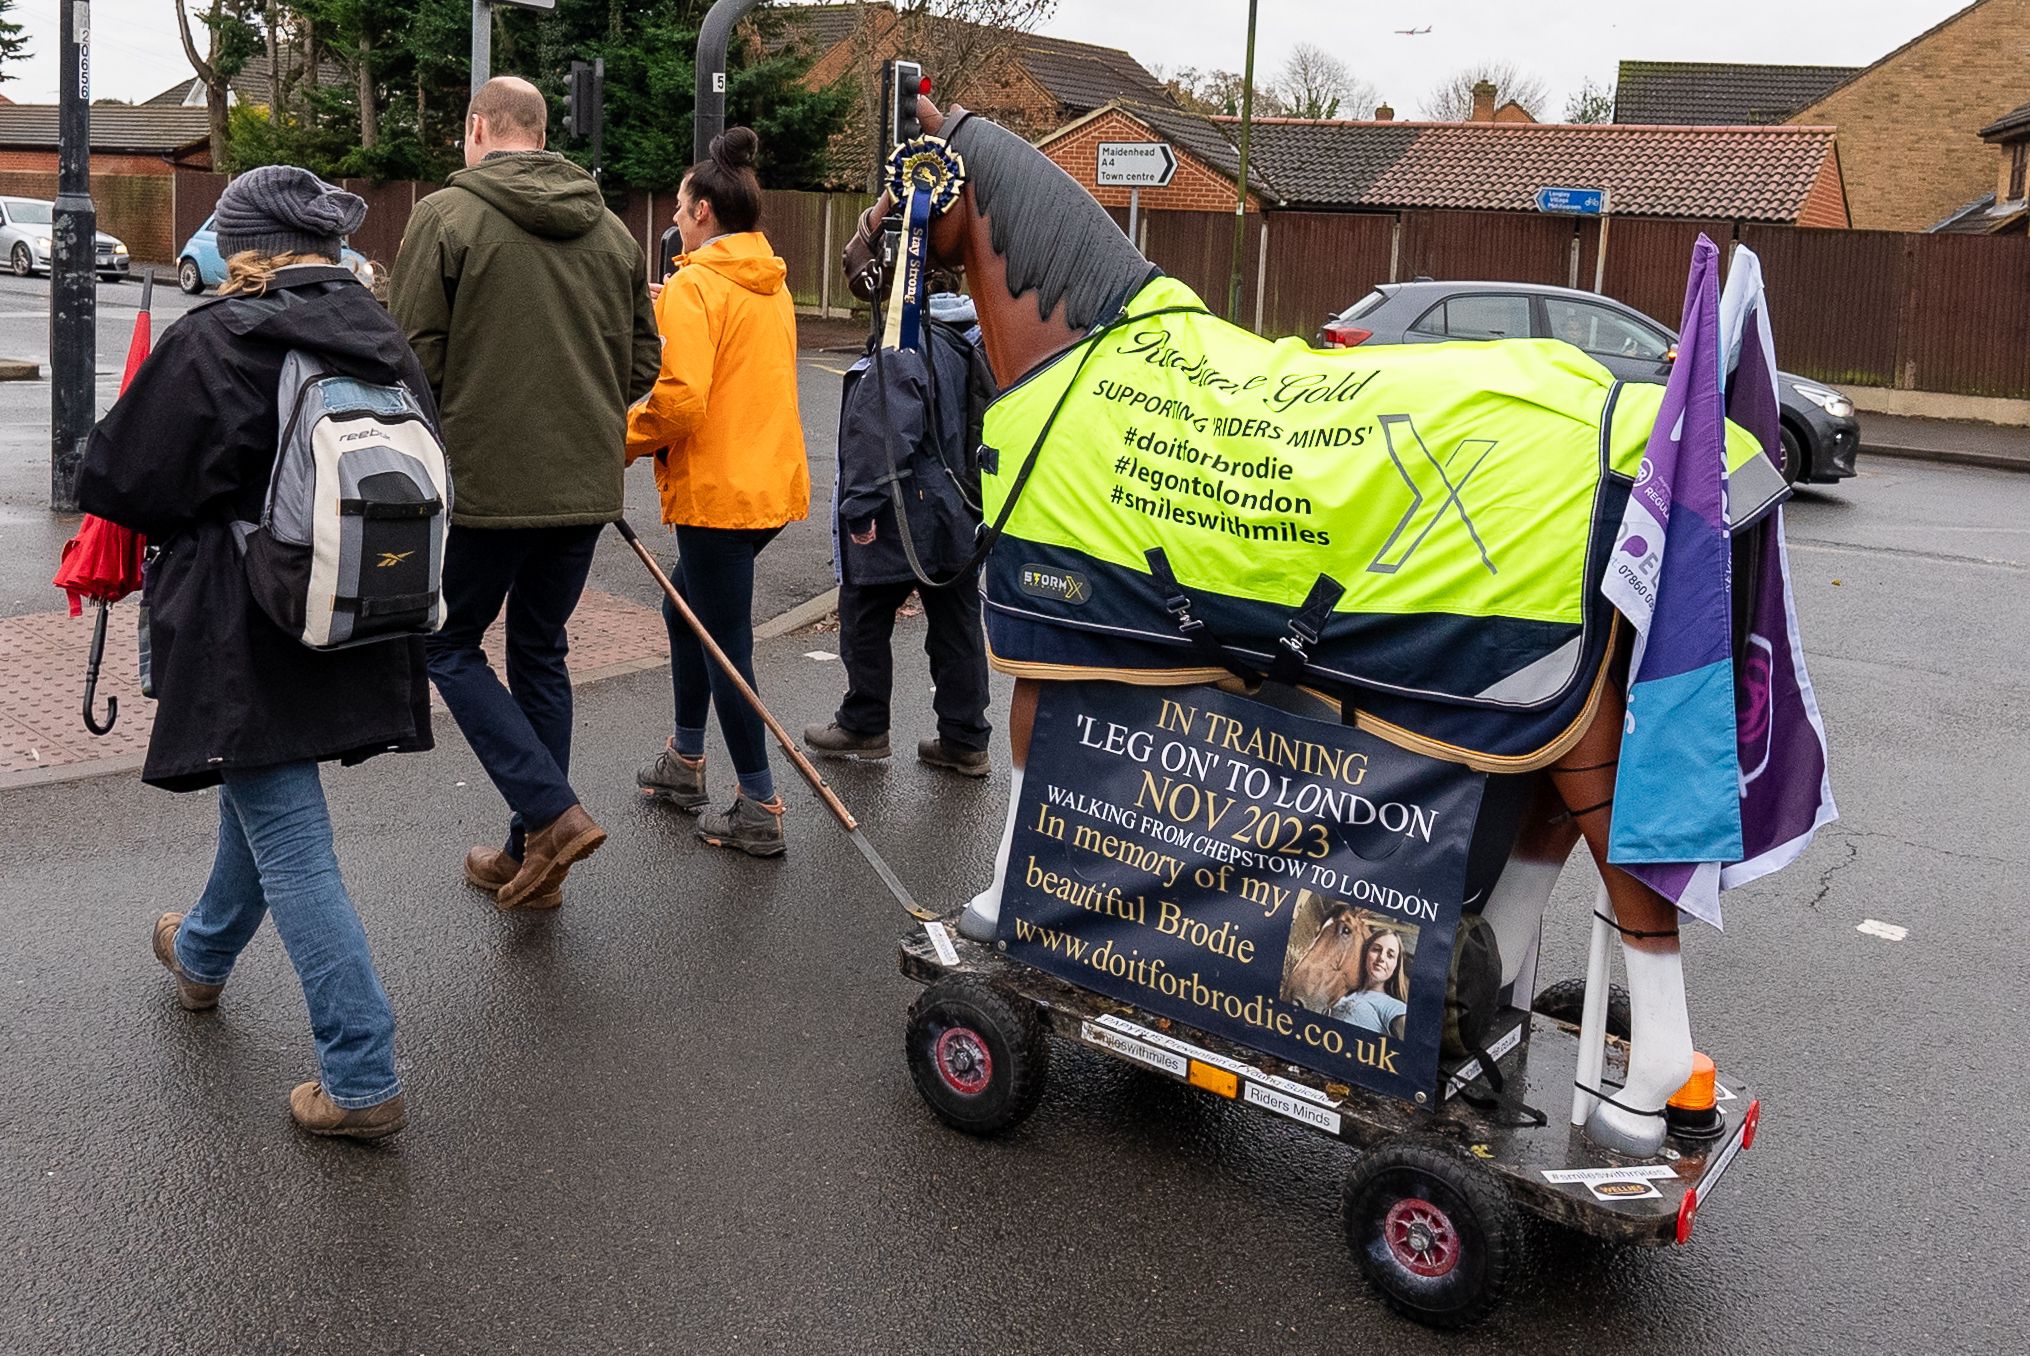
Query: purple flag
point(1786, 793)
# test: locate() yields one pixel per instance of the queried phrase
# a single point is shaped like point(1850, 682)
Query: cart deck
point(1552, 1170)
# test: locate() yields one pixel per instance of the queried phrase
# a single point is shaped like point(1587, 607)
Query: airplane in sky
point(1413, 32)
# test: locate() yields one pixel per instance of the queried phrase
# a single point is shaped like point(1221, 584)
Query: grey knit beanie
point(281, 209)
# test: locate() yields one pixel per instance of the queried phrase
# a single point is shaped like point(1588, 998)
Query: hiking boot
point(671, 777)
point(550, 852)
point(965, 762)
point(754, 827)
point(317, 1113)
point(191, 996)
point(489, 868)
point(836, 741)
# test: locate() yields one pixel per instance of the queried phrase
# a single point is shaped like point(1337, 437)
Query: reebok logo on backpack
point(350, 546)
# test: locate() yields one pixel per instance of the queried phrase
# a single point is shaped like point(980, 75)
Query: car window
point(1478, 316)
point(29, 213)
point(1364, 305)
point(207, 225)
point(1604, 330)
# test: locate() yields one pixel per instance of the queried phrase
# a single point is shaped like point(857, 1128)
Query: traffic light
point(581, 104)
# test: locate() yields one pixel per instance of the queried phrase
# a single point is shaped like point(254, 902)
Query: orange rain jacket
point(722, 419)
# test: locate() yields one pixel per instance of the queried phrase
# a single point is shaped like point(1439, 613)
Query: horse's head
point(1329, 969)
point(1022, 229)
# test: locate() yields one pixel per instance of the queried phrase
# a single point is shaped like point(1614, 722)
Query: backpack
point(350, 546)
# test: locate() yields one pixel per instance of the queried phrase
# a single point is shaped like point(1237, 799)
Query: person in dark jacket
point(241, 705)
point(527, 303)
point(921, 438)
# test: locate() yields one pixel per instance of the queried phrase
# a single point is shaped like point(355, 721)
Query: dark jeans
point(715, 575)
point(521, 732)
point(956, 646)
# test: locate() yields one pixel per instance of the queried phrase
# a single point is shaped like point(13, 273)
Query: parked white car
point(25, 227)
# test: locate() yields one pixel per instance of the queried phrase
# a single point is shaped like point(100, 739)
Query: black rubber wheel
point(23, 262)
point(1793, 457)
point(1434, 1232)
point(189, 276)
point(977, 1054)
point(1565, 1001)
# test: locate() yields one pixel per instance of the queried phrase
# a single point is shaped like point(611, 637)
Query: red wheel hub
point(962, 1061)
point(1421, 1238)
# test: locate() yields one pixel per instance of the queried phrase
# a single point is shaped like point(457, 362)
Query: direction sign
point(1135, 164)
point(1572, 202)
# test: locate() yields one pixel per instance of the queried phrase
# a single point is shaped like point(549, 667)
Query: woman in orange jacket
point(723, 428)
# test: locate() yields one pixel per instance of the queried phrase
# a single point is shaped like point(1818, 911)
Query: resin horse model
point(1045, 265)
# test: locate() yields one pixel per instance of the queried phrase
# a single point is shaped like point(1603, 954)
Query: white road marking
point(1888, 932)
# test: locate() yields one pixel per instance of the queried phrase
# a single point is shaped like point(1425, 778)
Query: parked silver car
point(25, 226)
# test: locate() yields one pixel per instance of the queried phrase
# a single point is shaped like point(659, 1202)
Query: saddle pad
point(1418, 520)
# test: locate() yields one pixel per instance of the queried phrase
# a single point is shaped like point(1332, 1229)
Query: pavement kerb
point(795, 619)
point(1993, 461)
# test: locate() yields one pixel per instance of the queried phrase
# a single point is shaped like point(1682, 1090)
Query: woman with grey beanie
point(241, 705)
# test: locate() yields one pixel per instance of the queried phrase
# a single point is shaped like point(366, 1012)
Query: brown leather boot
point(489, 868)
point(317, 1113)
point(549, 853)
point(190, 995)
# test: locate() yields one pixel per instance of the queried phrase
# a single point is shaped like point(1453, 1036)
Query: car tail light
point(1346, 336)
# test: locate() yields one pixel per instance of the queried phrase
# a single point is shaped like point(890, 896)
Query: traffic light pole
point(73, 282)
point(708, 118)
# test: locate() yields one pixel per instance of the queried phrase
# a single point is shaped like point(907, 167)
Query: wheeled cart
point(1432, 1204)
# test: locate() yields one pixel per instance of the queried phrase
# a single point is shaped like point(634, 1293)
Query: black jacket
point(930, 426)
point(188, 449)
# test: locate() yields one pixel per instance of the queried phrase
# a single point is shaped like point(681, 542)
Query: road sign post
point(1134, 165)
point(482, 34)
point(1581, 202)
point(73, 280)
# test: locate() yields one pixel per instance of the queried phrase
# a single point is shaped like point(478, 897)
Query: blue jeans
point(275, 856)
point(715, 575)
point(521, 732)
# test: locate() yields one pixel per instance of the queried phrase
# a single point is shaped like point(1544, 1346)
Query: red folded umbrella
point(102, 563)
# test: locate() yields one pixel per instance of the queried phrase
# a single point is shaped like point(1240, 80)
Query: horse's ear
point(929, 115)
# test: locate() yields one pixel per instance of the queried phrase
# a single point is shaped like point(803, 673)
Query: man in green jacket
point(527, 303)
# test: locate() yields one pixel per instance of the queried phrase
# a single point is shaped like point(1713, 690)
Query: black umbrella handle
point(98, 656)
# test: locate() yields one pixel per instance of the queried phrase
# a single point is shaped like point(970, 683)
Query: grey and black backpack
point(350, 546)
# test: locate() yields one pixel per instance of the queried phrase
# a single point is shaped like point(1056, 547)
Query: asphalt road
point(797, 564)
point(675, 1117)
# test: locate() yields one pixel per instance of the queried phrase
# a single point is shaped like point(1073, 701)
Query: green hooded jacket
point(527, 304)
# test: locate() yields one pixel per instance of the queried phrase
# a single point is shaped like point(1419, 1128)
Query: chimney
point(1383, 113)
point(1483, 102)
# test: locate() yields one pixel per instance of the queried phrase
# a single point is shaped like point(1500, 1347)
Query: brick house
point(1784, 175)
point(1908, 124)
point(2005, 210)
point(140, 140)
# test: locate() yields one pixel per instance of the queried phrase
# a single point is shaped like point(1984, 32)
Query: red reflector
point(1685, 1213)
point(1750, 1123)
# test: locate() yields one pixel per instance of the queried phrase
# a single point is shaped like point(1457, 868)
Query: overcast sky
point(136, 53)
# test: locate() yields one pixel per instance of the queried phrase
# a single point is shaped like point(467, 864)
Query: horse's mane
point(1056, 239)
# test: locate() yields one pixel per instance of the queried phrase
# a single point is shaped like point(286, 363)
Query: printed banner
point(1290, 884)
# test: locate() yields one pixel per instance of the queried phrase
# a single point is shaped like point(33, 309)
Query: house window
point(2019, 158)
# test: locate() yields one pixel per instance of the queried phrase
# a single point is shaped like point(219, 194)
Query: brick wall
point(1196, 187)
point(1826, 204)
point(1908, 124)
point(103, 162)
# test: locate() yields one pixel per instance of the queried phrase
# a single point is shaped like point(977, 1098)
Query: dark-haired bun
point(736, 147)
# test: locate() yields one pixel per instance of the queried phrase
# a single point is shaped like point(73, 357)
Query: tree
point(1591, 103)
point(1452, 100)
point(1217, 93)
point(1316, 84)
point(233, 41)
point(13, 42)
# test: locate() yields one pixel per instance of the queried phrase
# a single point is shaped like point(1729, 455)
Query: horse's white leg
point(1515, 906)
point(983, 914)
point(1660, 1029)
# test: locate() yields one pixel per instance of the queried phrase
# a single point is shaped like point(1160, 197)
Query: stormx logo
point(1064, 586)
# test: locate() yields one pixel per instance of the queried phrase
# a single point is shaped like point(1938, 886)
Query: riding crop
point(789, 747)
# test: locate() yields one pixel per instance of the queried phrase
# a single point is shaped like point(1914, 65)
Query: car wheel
point(1793, 457)
point(189, 276)
point(23, 262)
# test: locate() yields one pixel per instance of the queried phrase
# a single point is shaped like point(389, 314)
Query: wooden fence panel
point(1648, 262)
point(1320, 263)
point(1503, 246)
point(1835, 300)
point(1196, 248)
point(379, 237)
point(197, 193)
point(1966, 323)
point(795, 225)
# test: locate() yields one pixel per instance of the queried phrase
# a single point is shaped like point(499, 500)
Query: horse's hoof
point(976, 927)
point(1626, 1133)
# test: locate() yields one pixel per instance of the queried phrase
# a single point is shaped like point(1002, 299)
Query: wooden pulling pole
point(789, 747)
